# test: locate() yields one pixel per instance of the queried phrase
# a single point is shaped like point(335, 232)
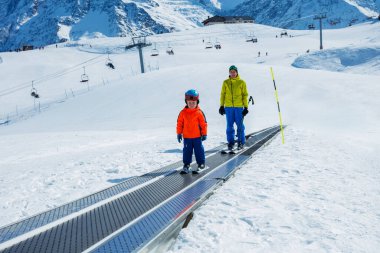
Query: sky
point(317, 192)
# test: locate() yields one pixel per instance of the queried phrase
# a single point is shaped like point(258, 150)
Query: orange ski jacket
point(192, 123)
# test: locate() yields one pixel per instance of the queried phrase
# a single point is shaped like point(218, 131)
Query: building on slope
point(227, 20)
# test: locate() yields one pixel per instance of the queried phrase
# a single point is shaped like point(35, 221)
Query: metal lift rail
point(140, 214)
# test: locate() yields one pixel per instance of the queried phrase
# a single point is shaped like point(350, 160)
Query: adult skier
point(234, 103)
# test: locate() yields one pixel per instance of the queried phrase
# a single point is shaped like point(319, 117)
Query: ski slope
point(318, 192)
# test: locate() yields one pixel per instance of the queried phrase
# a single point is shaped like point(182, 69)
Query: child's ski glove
point(179, 137)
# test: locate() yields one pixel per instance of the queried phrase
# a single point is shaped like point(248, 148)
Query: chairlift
point(154, 51)
point(169, 50)
point(208, 45)
point(34, 92)
point(109, 63)
point(84, 76)
point(217, 45)
point(311, 26)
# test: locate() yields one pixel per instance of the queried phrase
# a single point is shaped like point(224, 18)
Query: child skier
point(192, 126)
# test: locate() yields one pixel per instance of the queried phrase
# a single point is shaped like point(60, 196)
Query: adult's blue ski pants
point(235, 115)
point(193, 143)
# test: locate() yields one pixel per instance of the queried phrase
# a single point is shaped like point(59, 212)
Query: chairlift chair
point(34, 93)
point(84, 78)
point(109, 63)
point(311, 27)
point(169, 51)
point(154, 51)
point(284, 32)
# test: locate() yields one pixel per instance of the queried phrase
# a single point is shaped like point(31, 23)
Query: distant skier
point(234, 103)
point(192, 127)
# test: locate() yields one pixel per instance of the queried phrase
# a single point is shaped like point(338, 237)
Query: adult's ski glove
point(221, 110)
point(179, 137)
point(245, 111)
point(204, 137)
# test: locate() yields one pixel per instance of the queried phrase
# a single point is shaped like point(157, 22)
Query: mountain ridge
point(41, 22)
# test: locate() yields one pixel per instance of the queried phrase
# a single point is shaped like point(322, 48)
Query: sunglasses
point(191, 98)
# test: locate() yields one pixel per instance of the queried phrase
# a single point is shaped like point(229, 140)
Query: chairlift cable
point(63, 72)
point(57, 74)
point(287, 21)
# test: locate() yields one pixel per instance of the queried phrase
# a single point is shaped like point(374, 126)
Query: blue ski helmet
point(192, 95)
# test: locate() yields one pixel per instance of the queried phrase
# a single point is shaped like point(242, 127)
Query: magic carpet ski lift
point(33, 91)
point(84, 77)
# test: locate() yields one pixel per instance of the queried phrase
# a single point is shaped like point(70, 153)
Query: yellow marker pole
point(278, 105)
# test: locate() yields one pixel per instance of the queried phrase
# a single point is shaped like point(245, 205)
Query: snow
point(227, 4)
point(365, 10)
point(64, 31)
point(317, 192)
point(86, 28)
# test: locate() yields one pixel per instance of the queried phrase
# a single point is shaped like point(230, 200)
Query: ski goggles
point(191, 98)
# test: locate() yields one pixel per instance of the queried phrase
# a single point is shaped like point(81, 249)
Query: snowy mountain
point(41, 22)
point(300, 14)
